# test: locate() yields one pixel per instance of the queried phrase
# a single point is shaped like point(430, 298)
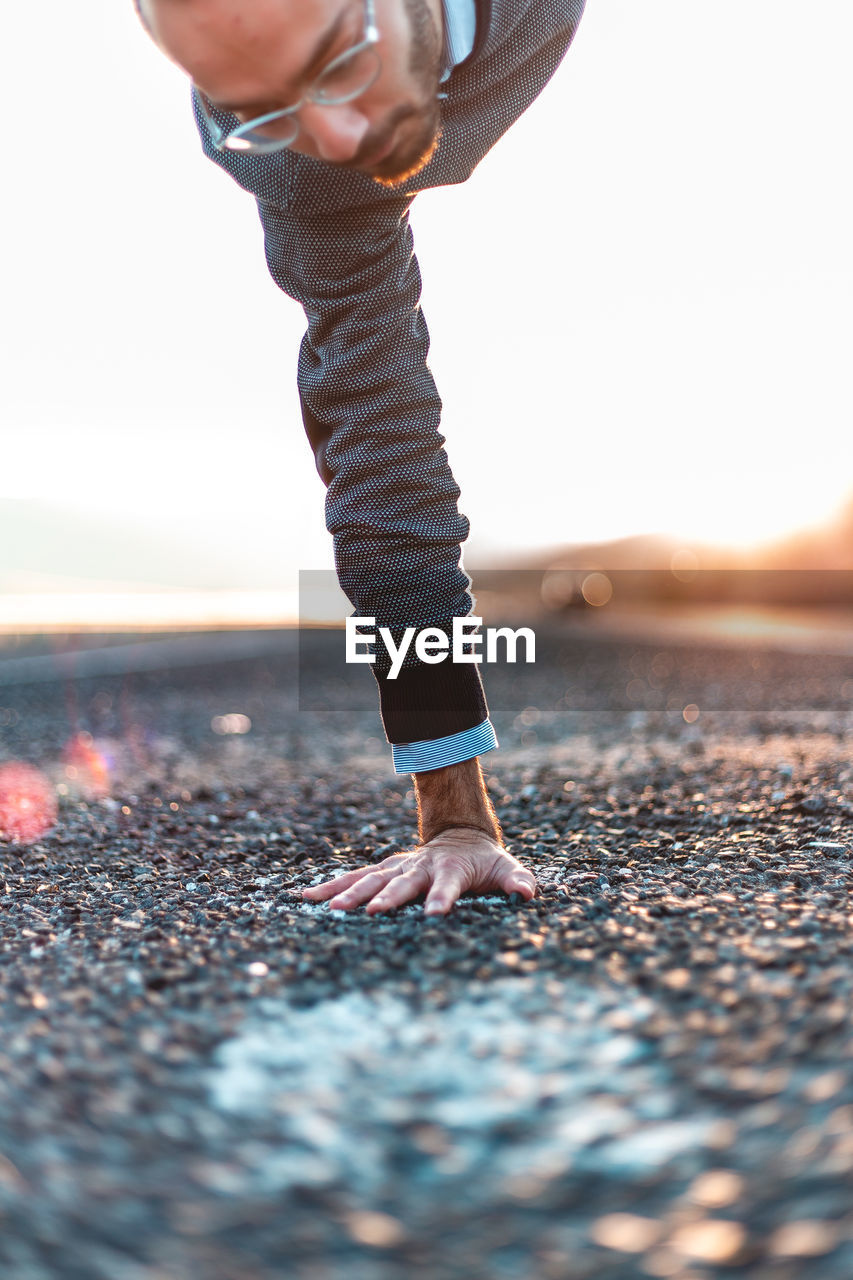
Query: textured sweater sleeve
point(372, 413)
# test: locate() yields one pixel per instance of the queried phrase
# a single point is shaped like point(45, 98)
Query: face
point(251, 58)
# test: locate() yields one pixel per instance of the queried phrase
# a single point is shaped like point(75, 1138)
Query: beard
point(409, 161)
point(425, 65)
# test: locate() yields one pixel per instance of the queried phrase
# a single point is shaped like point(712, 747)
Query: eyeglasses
point(345, 78)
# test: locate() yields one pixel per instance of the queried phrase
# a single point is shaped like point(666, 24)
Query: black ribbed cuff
point(431, 701)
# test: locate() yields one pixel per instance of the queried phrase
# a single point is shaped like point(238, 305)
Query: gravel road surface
point(647, 1070)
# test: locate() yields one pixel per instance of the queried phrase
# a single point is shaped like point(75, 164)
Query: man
point(334, 114)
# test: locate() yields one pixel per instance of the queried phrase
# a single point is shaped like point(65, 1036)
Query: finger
point(403, 888)
point(329, 888)
point(449, 883)
point(514, 878)
point(363, 890)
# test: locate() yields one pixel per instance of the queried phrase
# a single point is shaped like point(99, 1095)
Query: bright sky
point(639, 304)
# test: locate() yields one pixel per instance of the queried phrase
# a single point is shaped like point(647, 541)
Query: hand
point(457, 861)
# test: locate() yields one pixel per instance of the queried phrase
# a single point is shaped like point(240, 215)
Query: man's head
point(250, 57)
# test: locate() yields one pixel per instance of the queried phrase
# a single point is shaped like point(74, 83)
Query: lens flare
point(27, 803)
point(85, 767)
point(597, 589)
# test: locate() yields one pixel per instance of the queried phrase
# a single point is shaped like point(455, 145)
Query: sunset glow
point(146, 611)
point(638, 308)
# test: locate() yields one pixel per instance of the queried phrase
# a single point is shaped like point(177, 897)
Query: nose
point(336, 131)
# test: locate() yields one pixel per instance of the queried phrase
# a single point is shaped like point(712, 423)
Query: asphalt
point(647, 1070)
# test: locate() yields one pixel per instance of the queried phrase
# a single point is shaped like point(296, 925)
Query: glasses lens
point(347, 77)
point(276, 133)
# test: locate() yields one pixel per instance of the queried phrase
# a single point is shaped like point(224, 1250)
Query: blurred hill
point(828, 547)
point(812, 567)
point(45, 546)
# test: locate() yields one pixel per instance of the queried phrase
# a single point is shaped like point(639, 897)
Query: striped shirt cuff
point(436, 753)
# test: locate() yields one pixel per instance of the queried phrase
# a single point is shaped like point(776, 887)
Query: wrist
point(463, 827)
point(454, 796)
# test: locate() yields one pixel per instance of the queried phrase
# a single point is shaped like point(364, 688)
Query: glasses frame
point(235, 139)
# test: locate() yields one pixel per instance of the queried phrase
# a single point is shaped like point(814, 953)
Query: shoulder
point(499, 19)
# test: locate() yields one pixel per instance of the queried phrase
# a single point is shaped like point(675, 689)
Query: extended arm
point(372, 414)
